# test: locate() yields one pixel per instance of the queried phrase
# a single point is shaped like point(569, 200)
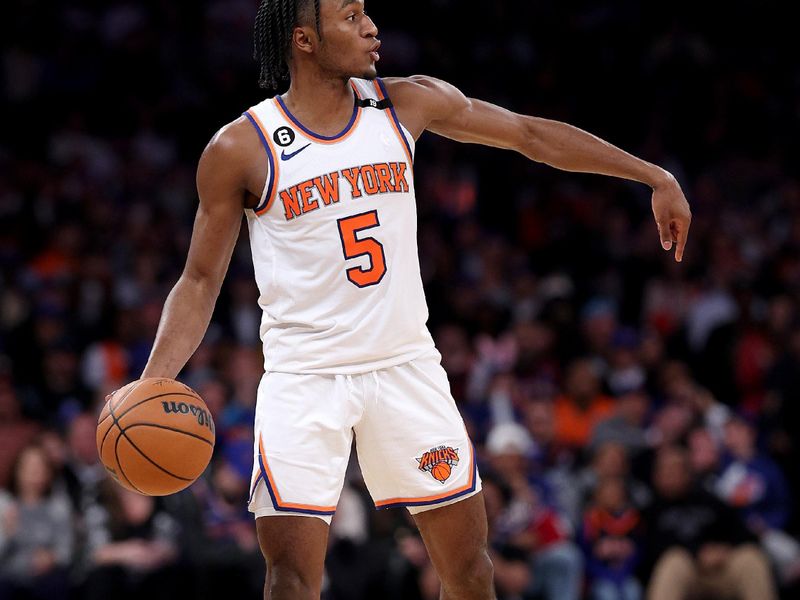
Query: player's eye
point(351, 17)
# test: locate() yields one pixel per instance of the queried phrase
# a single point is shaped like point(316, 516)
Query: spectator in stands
point(697, 546)
point(712, 413)
point(63, 394)
point(528, 523)
point(227, 546)
point(131, 547)
point(752, 483)
point(36, 531)
point(83, 471)
point(705, 456)
point(671, 423)
point(581, 406)
point(512, 574)
point(625, 371)
point(609, 461)
point(16, 431)
point(627, 424)
point(359, 563)
point(599, 323)
point(611, 541)
point(554, 462)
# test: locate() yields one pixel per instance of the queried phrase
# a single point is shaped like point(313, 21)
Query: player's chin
point(370, 73)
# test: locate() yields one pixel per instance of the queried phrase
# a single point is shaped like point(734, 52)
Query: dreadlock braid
point(316, 17)
point(275, 21)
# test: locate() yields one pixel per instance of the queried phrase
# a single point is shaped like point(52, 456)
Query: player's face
point(349, 46)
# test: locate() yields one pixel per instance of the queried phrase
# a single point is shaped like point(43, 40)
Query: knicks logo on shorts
point(439, 462)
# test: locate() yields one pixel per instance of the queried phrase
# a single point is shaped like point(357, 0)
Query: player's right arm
point(228, 171)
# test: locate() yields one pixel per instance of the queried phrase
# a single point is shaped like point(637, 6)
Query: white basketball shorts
point(412, 445)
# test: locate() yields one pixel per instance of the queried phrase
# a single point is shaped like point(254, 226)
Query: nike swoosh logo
point(285, 156)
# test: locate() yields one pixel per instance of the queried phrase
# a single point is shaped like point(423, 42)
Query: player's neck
point(324, 105)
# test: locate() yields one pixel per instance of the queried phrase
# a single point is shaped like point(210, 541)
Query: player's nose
point(371, 29)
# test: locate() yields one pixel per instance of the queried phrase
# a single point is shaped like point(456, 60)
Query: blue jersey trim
point(444, 499)
point(255, 485)
point(275, 504)
point(394, 117)
point(271, 175)
point(315, 135)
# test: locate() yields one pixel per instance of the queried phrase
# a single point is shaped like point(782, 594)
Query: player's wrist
point(158, 371)
point(660, 178)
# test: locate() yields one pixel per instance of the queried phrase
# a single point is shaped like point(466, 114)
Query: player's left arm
point(425, 103)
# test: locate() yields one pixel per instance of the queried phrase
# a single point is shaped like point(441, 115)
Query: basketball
point(155, 436)
point(441, 471)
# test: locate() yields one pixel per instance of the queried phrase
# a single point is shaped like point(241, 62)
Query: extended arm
point(426, 103)
point(187, 312)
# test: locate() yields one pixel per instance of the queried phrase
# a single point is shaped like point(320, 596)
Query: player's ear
point(304, 39)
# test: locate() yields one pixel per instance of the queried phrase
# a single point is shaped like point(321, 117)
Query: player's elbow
point(201, 282)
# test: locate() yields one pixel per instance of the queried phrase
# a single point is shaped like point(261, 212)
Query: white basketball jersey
point(334, 241)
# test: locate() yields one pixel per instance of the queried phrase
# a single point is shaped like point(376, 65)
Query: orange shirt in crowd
point(573, 425)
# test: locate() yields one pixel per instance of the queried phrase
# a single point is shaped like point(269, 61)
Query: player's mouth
point(373, 53)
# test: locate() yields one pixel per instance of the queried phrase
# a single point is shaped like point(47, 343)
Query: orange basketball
point(441, 471)
point(155, 436)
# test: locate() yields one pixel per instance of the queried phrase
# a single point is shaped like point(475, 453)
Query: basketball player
point(324, 175)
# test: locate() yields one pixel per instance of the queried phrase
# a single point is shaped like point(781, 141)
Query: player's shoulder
point(413, 84)
point(232, 147)
point(233, 157)
point(234, 139)
point(423, 90)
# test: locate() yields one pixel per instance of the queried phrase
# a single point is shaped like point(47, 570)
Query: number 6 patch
point(283, 136)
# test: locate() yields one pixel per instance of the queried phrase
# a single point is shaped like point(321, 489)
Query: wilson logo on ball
point(439, 462)
point(184, 408)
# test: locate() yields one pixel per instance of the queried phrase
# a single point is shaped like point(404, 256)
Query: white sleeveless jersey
point(334, 241)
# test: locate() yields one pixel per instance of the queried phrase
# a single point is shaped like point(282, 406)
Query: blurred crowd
point(635, 419)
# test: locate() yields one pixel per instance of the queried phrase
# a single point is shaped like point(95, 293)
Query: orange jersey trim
point(315, 137)
point(273, 489)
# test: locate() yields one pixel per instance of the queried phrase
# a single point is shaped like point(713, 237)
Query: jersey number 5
point(353, 247)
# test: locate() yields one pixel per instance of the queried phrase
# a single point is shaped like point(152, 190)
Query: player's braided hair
point(275, 21)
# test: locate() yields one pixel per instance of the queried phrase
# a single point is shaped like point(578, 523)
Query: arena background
point(550, 299)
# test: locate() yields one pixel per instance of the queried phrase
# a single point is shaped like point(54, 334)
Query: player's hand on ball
point(155, 436)
point(672, 214)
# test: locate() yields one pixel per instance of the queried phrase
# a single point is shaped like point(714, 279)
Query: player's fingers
point(681, 234)
point(664, 233)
